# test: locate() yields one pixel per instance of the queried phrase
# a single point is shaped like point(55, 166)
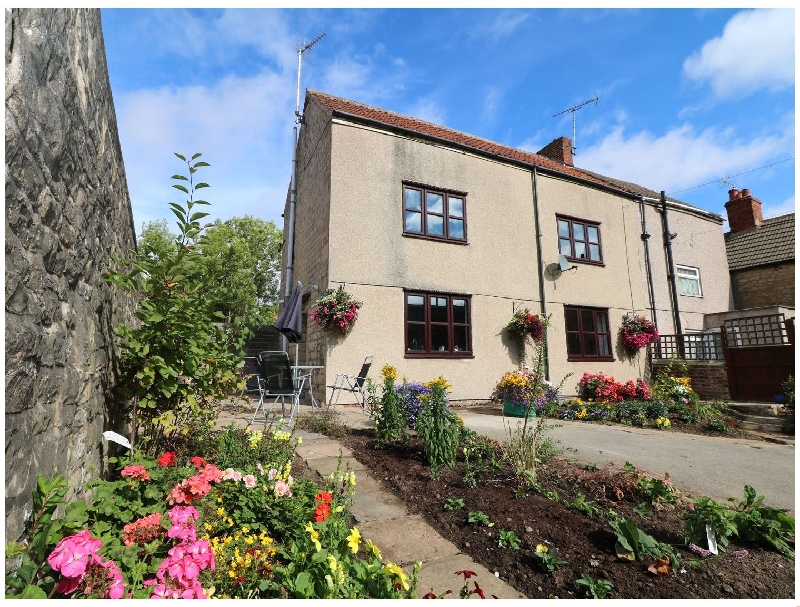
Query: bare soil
point(586, 542)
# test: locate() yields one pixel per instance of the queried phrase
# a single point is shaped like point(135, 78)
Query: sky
point(690, 101)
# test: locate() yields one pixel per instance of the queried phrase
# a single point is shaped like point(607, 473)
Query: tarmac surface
point(699, 465)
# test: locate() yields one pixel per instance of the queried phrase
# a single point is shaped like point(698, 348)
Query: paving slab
point(407, 539)
point(322, 448)
point(440, 576)
point(376, 506)
point(365, 483)
point(327, 465)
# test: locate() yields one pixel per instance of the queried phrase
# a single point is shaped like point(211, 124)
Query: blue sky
point(686, 96)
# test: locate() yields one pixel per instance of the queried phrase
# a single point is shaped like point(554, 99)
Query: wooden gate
point(759, 356)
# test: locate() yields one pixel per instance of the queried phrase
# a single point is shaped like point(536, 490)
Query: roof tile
point(772, 241)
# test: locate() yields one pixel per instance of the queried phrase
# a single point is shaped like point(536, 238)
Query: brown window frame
point(427, 324)
point(446, 215)
point(585, 240)
point(581, 333)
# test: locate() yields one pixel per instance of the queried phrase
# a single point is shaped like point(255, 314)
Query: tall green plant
point(177, 358)
point(438, 428)
point(390, 423)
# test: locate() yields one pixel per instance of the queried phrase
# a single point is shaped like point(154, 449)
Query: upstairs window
point(431, 213)
point(689, 281)
point(588, 335)
point(579, 240)
point(437, 325)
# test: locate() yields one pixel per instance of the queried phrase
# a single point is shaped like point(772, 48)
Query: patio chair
point(353, 384)
point(251, 374)
point(275, 380)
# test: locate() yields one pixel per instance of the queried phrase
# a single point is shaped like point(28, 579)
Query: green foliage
point(177, 358)
point(581, 504)
point(323, 421)
point(478, 518)
point(547, 558)
point(595, 589)
point(720, 518)
point(657, 492)
point(509, 539)
point(551, 495)
point(633, 542)
point(438, 429)
point(390, 421)
point(453, 503)
point(764, 525)
point(787, 410)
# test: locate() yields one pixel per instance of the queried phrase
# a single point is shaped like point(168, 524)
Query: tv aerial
point(574, 109)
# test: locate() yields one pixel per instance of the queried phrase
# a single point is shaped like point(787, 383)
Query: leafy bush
point(453, 503)
point(764, 525)
point(634, 543)
point(390, 423)
point(438, 428)
point(788, 407)
point(719, 517)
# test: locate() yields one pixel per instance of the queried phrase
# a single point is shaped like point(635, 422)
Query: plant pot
point(513, 410)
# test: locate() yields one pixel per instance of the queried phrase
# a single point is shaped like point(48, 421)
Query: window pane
point(416, 337)
point(594, 235)
point(603, 345)
point(580, 250)
point(572, 320)
point(413, 221)
point(436, 225)
point(456, 228)
point(587, 320)
point(435, 203)
point(455, 207)
point(438, 309)
point(589, 344)
point(565, 247)
point(688, 271)
point(573, 343)
point(439, 341)
point(563, 228)
point(413, 199)
point(602, 323)
point(460, 311)
point(594, 252)
point(416, 308)
point(577, 228)
point(689, 286)
point(460, 341)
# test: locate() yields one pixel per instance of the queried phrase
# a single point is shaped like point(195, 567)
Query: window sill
point(434, 238)
point(439, 355)
point(590, 359)
point(687, 295)
point(587, 262)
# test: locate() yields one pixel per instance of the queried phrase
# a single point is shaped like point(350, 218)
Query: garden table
point(308, 370)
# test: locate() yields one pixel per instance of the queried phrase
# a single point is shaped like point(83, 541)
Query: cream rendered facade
point(349, 230)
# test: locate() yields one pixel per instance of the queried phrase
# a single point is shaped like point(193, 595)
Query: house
point(443, 235)
point(760, 254)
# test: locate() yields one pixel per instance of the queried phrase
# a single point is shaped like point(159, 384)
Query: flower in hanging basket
point(637, 331)
point(524, 323)
point(336, 310)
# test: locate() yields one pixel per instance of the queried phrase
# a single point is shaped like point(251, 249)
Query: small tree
point(177, 358)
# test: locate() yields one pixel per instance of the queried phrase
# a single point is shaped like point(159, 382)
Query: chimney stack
point(744, 211)
point(559, 150)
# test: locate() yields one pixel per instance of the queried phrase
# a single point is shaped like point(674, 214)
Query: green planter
point(512, 410)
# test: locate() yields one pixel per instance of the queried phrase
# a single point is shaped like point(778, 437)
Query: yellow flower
point(354, 539)
point(351, 478)
point(231, 574)
point(314, 536)
point(389, 372)
point(299, 440)
point(373, 549)
point(221, 511)
point(439, 382)
point(397, 573)
point(245, 529)
point(207, 527)
point(541, 548)
point(249, 540)
point(332, 563)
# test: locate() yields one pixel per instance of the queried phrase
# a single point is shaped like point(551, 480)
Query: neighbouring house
point(443, 235)
point(760, 254)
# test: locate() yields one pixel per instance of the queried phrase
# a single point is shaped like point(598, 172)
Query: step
point(771, 428)
point(756, 408)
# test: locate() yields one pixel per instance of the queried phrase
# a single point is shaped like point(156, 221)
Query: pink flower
point(211, 473)
point(282, 489)
point(272, 474)
point(260, 469)
point(137, 473)
point(71, 555)
point(229, 474)
point(249, 481)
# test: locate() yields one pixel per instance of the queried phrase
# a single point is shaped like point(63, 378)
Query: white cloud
point(770, 210)
point(755, 51)
point(491, 103)
point(505, 24)
point(682, 157)
point(427, 109)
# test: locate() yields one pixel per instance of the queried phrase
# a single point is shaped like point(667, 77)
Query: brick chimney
point(744, 211)
point(559, 150)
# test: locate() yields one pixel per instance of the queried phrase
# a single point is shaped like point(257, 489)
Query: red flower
point(198, 461)
point(324, 497)
point(322, 512)
point(167, 459)
point(466, 573)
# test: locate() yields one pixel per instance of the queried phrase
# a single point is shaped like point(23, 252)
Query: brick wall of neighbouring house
point(709, 378)
point(771, 285)
point(311, 230)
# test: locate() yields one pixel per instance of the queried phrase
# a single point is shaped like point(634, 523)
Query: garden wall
point(67, 212)
point(709, 378)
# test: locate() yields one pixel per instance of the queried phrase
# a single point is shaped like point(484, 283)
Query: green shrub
point(595, 589)
point(438, 428)
point(389, 418)
point(764, 525)
point(719, 517)
point(323, 421)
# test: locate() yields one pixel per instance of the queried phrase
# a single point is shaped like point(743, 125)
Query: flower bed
point(180, 526)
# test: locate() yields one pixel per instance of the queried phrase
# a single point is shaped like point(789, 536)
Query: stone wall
point(67, 212)
point(709, 378)
point(771, 285)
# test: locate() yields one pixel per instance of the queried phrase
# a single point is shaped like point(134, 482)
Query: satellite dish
point(563, 264)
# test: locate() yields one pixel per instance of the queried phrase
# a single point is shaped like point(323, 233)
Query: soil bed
point(585, 542)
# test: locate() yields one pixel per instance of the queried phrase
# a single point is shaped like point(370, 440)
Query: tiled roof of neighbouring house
point(421, 127)
point(770, 242)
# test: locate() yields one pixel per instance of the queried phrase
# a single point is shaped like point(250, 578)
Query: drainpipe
point(646, 241)
point(290, 237)
point(671, 274)
point(541, 270)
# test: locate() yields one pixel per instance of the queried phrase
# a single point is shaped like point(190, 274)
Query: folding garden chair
point(353, 383)
point(251, 374)
point(275, 380)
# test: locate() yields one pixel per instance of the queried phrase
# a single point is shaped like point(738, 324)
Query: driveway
point(701, 465)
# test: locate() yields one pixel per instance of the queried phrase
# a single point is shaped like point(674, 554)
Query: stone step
point(765, 409)
point(773, 427)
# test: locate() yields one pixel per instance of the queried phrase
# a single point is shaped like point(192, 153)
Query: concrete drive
point(701, 465)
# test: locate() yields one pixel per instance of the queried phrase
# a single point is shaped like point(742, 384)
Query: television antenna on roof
point(305, 47)
point(726, 183)
point(574, 109)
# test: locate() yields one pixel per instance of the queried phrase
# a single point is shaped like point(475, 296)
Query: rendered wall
point(67, 213)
